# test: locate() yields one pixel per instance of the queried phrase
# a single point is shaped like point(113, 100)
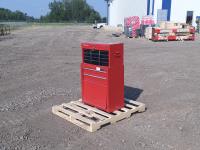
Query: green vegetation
point(8, 15)
point(71, 11)
point(61, 11)
point(4, 29)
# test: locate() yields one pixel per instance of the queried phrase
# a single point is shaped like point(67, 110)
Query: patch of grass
point(19, 25)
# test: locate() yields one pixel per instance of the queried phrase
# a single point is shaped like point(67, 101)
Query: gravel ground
point(39, 68)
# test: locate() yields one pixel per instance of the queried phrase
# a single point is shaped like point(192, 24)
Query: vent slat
point(96, 57)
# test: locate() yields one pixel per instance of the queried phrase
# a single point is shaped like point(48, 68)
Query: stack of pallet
point(173, 32)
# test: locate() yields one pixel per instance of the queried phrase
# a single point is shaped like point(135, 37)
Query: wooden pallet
point(92, 119)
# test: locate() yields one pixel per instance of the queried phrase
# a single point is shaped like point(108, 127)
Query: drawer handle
point(89, 75)
point(95, 70)
point(117, 54)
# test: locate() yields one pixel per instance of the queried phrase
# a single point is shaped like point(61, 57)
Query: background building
point(162, 10)
point(119, 9)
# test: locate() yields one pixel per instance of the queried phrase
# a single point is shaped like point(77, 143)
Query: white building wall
point(180, 7)
point(119, 9)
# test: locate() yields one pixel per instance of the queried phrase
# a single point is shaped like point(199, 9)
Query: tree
point(67, 10)
point(104, 19)
point(57, 11)
point(94, 16)
point(72, 11)
point(8, 15)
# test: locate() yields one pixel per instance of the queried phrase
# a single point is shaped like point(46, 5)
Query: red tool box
point(102, 75)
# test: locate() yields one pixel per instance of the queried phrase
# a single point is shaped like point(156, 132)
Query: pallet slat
point(92, 108)
point(75, 115)
point(83, 111)
point(92, 119)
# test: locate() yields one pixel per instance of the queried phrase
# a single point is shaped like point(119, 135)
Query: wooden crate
point(92, 119)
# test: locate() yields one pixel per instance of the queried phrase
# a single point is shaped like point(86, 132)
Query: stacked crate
point(131, 24)
point(148, 33)
point(185, 33)
point(173, 32)
point(146, 22)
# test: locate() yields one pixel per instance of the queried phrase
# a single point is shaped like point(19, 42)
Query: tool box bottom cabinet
point(94, 87)
point(97, 90)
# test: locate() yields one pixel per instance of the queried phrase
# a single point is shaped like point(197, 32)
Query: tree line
point(8, 15)
point(71, 11)
point(60, 11)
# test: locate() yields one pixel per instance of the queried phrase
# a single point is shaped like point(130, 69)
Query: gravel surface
point(40, 67)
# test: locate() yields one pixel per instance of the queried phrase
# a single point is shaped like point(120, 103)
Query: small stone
point(123, 141)
point(142, 144)
point(34, 148)
point(181, 128)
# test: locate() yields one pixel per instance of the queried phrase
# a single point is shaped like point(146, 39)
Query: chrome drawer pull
point(89, 75)
point(94, 70)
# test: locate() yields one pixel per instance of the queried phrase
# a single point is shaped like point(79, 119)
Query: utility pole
point(108, 4)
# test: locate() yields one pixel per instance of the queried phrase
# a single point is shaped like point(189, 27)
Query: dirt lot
point(39, 68)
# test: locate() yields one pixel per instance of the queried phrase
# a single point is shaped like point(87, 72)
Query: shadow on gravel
point(132, 93)
point(6, 37)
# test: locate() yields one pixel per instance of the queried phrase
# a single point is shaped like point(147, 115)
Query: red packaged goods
point(147, 20)
point(133, 23)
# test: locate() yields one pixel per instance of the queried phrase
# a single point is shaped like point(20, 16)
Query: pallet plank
point(92, 108)
point(84, 111)
point(76, 115)
point(141, 106)
point(125, 109)
point(131, 106)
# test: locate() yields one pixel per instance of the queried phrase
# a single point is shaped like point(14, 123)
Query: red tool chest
point(102, 75)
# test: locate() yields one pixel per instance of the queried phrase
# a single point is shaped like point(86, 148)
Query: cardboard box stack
point(146, 22)
point(170, 31)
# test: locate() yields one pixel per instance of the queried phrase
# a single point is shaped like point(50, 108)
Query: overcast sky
point(37, 8)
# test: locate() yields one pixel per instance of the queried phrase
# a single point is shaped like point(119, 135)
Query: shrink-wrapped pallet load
point(131, 24)
point(147, 20)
